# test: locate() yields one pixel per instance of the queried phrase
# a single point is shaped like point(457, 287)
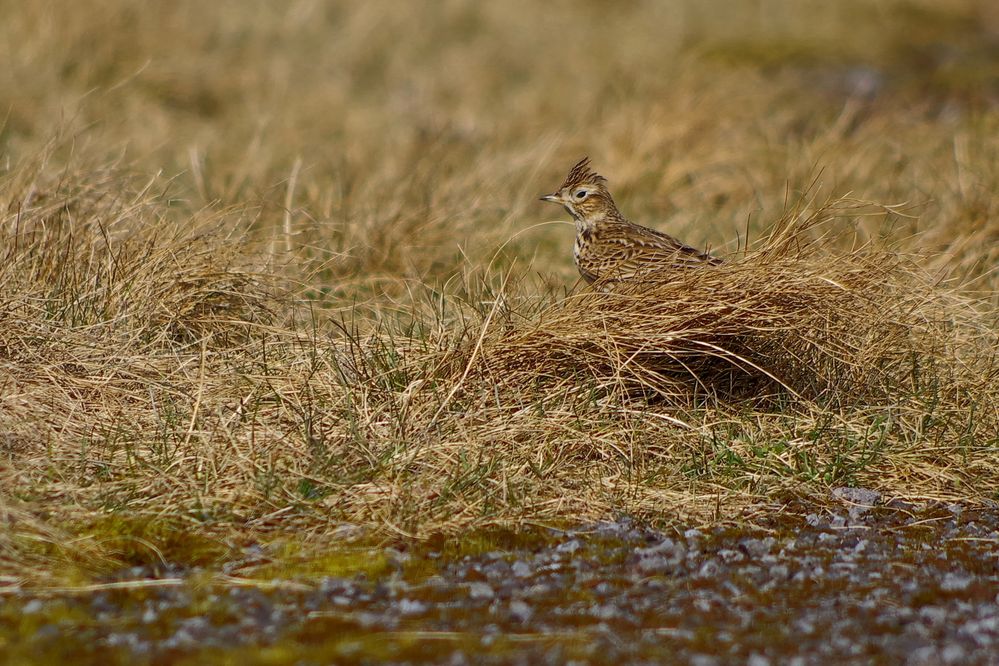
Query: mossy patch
point(294, 559)
point(155, 543)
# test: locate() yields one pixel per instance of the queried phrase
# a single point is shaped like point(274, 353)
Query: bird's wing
point(641, 251)
point(588, 275)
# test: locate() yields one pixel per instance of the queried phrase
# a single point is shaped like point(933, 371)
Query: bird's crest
point(582, 173)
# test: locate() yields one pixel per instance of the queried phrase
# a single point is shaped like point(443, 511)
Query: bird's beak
point(552, 198)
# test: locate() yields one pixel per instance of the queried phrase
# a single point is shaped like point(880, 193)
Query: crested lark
point(609, 247)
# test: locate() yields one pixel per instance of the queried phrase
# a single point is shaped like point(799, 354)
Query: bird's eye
point(581, 194)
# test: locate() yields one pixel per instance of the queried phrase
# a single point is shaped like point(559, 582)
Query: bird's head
point(583, 193)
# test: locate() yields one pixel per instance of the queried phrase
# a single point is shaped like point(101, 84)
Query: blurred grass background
point(363, 151)
point(425, 126)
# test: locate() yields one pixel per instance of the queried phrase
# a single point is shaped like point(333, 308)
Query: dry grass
point(341, 303)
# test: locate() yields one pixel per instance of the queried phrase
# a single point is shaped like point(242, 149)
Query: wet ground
point(850, 584)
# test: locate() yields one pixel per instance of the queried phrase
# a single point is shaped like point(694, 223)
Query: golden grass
point(342, 304)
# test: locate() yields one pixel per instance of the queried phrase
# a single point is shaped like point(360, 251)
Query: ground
point(865, 582)
point(283, 324)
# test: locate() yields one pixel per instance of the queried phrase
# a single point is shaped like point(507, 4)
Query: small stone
point(521, 569)
point(480, 591)
point(953, 582)
point(569, 546)
point(989, 623)
point(662, 557)
point(497, 570)
point(655, 565)
point(703, 660)
point(32, 607)
point(709, 569)
point(953, 654)
point(196, 626)
point(370, 620)
point(933, 614)
point(520, 611)
point(604, 611)
point(924, 656)
point(730, 556)
point(183, 638)
point(901, 505)
point(860, 499)
point(804, 627)
point(666, 547)
point(126, 640)
point(457, 658)
point(757, 548)
point(330, 584)
point(412, 607)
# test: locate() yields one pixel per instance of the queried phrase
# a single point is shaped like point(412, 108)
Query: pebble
point(480, 591)
point(32, 607)
point(520, 610)
point(412, 607)
point(955, 582)
point(521, 569)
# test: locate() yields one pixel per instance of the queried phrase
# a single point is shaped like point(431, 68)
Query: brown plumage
point(610, 248)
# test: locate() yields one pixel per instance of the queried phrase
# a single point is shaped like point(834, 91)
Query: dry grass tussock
point(831, 329)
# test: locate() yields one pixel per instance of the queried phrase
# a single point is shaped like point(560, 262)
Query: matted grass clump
point(792, 319)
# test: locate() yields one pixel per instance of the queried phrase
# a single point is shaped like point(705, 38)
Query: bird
point(608, 248)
